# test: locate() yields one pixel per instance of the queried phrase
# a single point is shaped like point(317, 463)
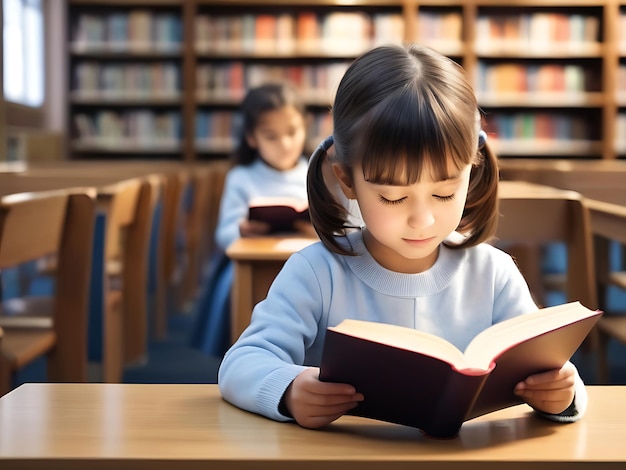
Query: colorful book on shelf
point(417, 379)
point(280, 213)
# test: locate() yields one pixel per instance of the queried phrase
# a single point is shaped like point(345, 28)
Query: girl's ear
point(345, 180)
point(251, 140)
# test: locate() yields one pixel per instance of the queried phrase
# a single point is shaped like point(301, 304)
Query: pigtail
point(328, 216)
point(480, 217)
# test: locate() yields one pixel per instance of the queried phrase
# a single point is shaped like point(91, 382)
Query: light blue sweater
point(463, 293)
point(258, 179)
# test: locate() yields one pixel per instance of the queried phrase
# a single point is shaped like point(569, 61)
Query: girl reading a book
point(407, 145)
point(269, 162)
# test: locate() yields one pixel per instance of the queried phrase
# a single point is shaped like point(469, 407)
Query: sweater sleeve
point(233, 209)
point(270, 353)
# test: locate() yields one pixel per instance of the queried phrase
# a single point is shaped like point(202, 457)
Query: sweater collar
point(384, 281)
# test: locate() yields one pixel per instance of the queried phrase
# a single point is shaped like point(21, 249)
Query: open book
point(417, 379)
point(280, 213)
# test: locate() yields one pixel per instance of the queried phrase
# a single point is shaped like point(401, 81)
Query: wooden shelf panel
point(541, 100)
point(121, 146)
point(555, 148)
point(599, 103)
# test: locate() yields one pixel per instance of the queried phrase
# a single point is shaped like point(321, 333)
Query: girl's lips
point(421, 241)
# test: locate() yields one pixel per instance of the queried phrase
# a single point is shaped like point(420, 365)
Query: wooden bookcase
point(550, 75)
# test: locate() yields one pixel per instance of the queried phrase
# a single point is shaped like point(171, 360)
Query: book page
point(266, 201)
point(491, 342)
point(403, 338)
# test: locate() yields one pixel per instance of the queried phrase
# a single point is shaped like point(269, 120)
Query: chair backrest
point(31, 226)
point(61, 223)
point(206, 184)
point(171, 220)
point(219, 170)
point(172, 185)
point(535, 215)
point(128, 228)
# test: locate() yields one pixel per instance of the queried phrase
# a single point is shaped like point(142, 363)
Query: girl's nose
point(421, 216)
point(286, 141)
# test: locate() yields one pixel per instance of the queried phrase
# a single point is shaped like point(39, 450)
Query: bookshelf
point(3, 135)
point(163, 78)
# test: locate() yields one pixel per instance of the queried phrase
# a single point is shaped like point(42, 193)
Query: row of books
point(222, 128)
point(620, 126)
point(538, 27)
point(118, 80)
point(135, 30)
point(433, 26)
point(535, 78)
point(315, 83)
point(621, 78)
point(140, 128)
point(541, 125)
point(306, 31)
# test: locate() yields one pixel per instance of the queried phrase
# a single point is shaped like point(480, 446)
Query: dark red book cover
point(280, 217)
point(427, 391)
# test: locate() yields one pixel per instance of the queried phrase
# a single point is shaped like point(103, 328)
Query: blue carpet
point(173, 360)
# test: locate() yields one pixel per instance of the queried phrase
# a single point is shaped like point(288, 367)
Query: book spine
point(454, 405)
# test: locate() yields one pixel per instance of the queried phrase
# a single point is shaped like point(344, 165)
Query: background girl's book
point(279, 212)
point(417, 379)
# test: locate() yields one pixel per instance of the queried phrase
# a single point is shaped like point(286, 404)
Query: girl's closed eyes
point(393, 202)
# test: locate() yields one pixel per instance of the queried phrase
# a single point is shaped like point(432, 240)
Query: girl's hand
point(551, 392)
point(253, 228)
point(314, 404)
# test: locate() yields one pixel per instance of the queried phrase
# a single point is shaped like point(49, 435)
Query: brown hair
point(400, 107)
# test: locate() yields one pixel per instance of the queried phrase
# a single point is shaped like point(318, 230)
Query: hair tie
point(482, 139)
point(327, 143)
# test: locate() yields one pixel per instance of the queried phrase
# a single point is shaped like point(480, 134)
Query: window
point(23, 52)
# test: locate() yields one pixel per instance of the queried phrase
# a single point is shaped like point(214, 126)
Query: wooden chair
point(535, 215)
point(33, 225)
point(207, 182)
point(173, 186)
point(125, 322)
point(168, 180)
point(608, 224)
point(5, 374)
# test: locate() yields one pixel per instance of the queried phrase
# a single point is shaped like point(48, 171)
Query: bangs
point(412, 131)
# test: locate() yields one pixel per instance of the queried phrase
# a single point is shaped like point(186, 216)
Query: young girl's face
point(279, 137)
point(406, 224)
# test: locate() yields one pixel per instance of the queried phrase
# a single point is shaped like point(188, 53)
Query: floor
point(173, 360)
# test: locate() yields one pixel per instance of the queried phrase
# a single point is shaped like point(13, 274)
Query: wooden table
point(148, 426)
point(257, 261)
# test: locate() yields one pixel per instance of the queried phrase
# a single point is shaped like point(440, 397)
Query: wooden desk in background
point(608, 220)
point(257, 261)
point(148, 426)
point(604, 180)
